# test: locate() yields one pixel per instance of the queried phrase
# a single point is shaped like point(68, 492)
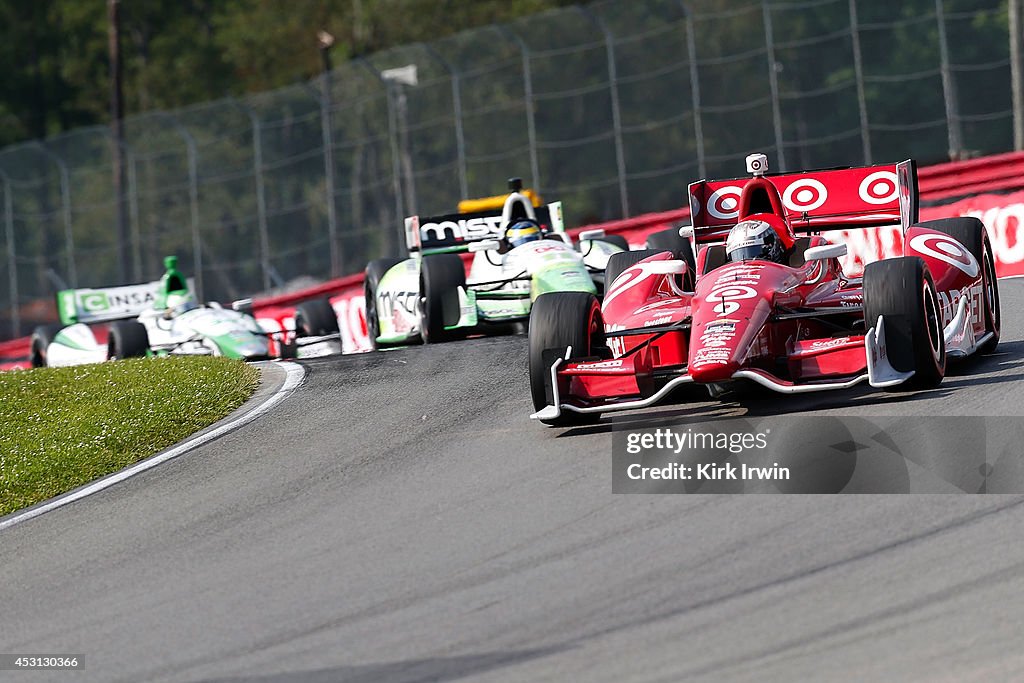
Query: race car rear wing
point(455, 232)
point(831, 199)
point(107, 303)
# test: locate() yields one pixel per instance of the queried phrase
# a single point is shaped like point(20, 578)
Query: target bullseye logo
point(724, 203)
point(947, 250)
point(880, 187)
point(806, 194)
point(721, 296)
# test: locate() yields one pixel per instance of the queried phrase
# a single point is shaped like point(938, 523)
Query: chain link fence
point(612, 107)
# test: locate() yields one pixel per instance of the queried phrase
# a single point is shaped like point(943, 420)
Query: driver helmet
point(179, 302)
point(521, 232)
point(754, 239)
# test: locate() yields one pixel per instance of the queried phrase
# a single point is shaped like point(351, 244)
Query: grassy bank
point(63, 427)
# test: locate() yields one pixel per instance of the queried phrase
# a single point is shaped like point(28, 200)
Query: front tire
point(971, 233)
point(560, 320)
point(901, 290)
point(127, 339)
point(42, 337)
point(375, 272)
point(441, 276)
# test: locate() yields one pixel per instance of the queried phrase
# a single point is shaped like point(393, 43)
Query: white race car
point(162, 318)
point(520, 251)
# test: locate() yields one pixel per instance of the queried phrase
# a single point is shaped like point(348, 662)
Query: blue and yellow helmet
point(521, 232)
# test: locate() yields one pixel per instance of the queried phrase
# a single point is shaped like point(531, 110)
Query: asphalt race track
point(400, 519)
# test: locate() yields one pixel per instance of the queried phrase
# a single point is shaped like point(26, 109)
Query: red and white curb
point(293, 378)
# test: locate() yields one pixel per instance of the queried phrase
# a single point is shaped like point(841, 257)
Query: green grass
point(63, 427)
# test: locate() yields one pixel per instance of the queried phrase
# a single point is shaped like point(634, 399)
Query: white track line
point(295, 373)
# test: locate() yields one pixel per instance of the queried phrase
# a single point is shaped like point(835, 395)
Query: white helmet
point(754, 240)
point(180, 301)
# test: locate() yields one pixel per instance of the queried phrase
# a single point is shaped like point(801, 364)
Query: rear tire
point(127, 339)
point(616, 241)
point(42, 337)
point(315, 318)
point(971, 233)
point(901, 290)
point(671, 240)
point(441, 275)
point(559, 320)
point(620, 263)
point(375, 271)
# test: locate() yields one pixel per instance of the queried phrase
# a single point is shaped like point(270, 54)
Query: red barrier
point(944, 182)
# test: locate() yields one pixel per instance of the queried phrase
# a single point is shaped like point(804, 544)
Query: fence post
point(396, 169)
point(121, 147)
point(948, 86)
point(1016, 21)
point(65, 200)
point(698, 124)
point(773, 83)
point(261, 197)
point(327, 132)
point(193, 199)
point(133, 213)
point(531, 124)
point(12, 262)
point(460, 138)
point(858, 72)
point(613, 91)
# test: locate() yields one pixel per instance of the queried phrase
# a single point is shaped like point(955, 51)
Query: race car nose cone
point(713, 350)
point(705, 369)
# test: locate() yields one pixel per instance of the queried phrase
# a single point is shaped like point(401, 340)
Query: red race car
point(766, 300)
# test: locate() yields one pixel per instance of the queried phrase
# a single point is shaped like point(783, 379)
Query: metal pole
point(403, 134)
point(261, 197)
point(193, 200)
point(613, 90)
point(327, 131)
point(65, 198)
point(858, 71)
point(773, 83)
point(133, 212)
point(1016, 11)
point(948, 86)
point(12, 262)
point(396, 171)
point(123, 149)
point(531, 124)
point(117, 129)
point(460, 139)
point(698, 124)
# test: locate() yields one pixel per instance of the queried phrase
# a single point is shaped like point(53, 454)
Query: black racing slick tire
point(616, 241)
point(671, 240)
point(127, 339)
point(316, 318)
point(441, 276)
point(621, 262)
point(375, 271)
point(971, 233)
point(901, 290)
point(42, 337)
point(559, 320)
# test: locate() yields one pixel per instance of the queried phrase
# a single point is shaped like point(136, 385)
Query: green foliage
point(63, 427)
point(178, 52)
